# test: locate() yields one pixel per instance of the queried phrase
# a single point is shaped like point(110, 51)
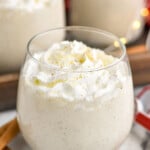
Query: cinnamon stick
point(9, 134)
point(4, 127)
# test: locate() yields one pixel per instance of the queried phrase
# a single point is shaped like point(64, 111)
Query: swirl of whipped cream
point(74, 86)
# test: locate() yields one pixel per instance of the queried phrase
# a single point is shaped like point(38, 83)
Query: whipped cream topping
point(77, 56)
point(75, 86)
point(26, 4)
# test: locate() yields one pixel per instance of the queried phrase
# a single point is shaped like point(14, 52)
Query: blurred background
point(20, 20)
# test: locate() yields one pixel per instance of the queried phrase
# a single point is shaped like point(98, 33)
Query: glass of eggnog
point(75, 91)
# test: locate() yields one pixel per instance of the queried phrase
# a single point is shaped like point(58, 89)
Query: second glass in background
point(19, 21)
point(121, 17)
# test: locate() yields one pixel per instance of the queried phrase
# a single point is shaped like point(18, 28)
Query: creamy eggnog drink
point(19, 21)
point(75, 97)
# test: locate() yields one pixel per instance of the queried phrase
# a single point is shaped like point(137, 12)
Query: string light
point(136, 24)
point(123, 40)
point(116, 44)
point(145, 12)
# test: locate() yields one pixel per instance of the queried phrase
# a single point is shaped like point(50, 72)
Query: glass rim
point(83, 28)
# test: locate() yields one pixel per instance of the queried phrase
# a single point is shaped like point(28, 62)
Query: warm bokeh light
point(136, 24)
point(116, 44)
point(145, 12)
point(123, 40)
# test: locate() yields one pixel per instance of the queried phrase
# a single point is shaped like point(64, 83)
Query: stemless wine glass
point(65, 108)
